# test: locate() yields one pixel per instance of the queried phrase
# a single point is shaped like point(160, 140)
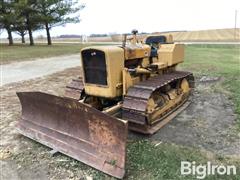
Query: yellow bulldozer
point(131, 86)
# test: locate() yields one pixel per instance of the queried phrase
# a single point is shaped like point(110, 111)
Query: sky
point(112, 16)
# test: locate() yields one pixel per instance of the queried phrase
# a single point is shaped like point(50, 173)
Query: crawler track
point(135, 102)
point(75, 89)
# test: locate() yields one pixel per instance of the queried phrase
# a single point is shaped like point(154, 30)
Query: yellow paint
point(171, 54)
point(134, 51)
point(185, 85)
point(127, 80)
point(114, 63)
point(154, 115)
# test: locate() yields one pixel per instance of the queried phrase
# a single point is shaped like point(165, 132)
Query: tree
point(56, 13)
point(20, 28)
point(27, 9)
point(1, 28)
point(7, 17)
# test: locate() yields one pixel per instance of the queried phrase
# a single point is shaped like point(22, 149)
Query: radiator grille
point(94, 65)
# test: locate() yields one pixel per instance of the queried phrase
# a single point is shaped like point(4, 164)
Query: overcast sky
point(112, 16)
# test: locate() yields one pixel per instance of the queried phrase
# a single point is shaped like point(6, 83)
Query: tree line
point(26, 16)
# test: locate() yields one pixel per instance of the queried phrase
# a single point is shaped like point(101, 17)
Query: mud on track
point(208, 124)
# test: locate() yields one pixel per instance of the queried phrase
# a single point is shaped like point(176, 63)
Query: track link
point(75, 89)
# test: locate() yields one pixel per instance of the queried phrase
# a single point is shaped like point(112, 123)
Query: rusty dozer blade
point(76, 130)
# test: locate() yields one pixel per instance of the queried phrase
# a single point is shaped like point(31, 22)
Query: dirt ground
point(208, 123)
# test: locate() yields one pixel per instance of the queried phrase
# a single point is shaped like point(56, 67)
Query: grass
point(164, 161)
point(145, 160)
point(19, 52)
point(208, 35)
point(217, 60)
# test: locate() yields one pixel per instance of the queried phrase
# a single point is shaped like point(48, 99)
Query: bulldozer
point(132, 86)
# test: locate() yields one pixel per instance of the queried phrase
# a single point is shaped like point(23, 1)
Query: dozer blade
point(76, 130)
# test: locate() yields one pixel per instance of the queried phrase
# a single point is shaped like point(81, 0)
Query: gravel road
point(26, 70)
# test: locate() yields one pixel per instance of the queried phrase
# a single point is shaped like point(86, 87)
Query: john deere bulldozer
point(135, 85)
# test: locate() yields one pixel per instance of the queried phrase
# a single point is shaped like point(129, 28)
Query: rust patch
point(100, 132)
